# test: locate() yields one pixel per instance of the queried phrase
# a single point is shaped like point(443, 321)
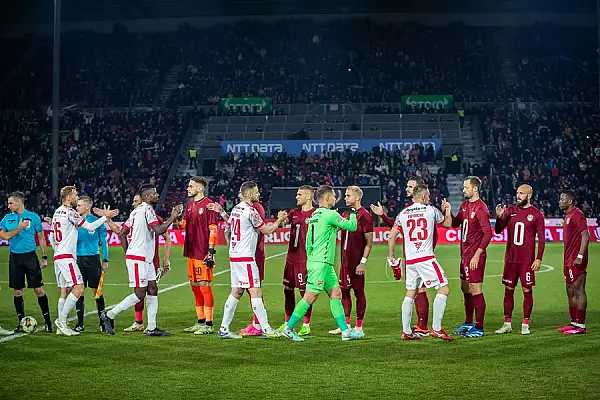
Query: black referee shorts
point(91, 269)
point(21, 266)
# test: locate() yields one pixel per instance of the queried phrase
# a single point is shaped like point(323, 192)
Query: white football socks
point(407, 306)
point(261, 313)
point(439, 308)
point(125, 304)
point(61, 304)
point(68, 305)
point(152, 307)
point(229, 312)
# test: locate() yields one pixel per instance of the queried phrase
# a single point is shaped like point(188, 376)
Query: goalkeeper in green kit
point(320, 253)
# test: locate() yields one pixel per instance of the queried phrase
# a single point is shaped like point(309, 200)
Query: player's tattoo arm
point(160, 229)
point(392, 243)
point(43, 246)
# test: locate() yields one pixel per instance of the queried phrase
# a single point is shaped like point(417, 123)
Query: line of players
point(200, 221)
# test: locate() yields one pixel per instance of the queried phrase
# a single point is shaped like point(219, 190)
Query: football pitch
point(95, 365)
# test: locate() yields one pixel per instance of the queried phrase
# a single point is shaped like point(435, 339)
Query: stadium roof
point(41, 11)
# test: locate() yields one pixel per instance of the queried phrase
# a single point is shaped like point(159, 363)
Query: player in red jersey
point(577, 238)
point(294, 272)
point(200, 224)
point(354, 253)
point(138, 323)
point(523, 222)
point(474, 218)
point(421, 299)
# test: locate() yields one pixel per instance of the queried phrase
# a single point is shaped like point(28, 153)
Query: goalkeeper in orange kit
point(200, 226)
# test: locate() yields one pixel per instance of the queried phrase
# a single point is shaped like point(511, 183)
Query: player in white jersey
point(244, 225)
point(137, 239)
point(65, 222)
point(417, 223)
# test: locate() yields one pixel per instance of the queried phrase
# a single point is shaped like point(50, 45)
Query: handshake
point(396, 265)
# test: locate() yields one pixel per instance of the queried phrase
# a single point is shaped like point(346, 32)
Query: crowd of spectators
point(556, 63)
point(552, 150)
point(376, 168)
point(300, 61)
point(118, 69)
point(104, 157)
point(303, 61)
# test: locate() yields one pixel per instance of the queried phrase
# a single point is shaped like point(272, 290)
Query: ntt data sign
point(314, 147)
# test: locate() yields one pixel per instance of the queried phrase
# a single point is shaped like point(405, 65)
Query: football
point(28, 324)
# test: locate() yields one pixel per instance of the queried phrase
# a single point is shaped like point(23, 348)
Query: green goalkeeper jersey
point(322, 230)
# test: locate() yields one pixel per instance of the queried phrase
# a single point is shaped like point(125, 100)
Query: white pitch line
point(18, 335)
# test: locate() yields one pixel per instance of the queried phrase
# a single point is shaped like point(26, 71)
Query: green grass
point(543, 365)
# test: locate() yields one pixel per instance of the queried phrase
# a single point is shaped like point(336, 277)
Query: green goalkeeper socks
point(299, 311)
point(338, 313)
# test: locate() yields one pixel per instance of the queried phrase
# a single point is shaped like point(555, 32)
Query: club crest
point(530, 218)
point(201, 211)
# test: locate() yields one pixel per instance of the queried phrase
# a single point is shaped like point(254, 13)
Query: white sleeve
point(90, 227)
point(75, 218)
point(151, 218)
point(438, 216)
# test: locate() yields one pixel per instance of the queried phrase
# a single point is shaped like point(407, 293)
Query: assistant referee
point(23, 260)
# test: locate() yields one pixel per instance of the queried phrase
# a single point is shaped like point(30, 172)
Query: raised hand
point(282, 215)
point(377, 209)
point(177, 211)
point(500, 210)
point(446, 205)
point(216, 207)
point(105, 212)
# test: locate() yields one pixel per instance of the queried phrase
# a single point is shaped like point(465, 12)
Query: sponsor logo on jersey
point(568, 220)
point(320, 283)
point(92, 232)
point(530, 218)
point(417, 245)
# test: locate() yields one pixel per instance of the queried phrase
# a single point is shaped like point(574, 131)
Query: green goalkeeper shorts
point(320, 276)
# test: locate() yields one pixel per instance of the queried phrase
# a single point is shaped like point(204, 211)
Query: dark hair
point(418, 180)
point(200, 180)
point(474, 181)
point(419, 190)
point(145, 187)
point(570, 194)
point(323, 190)
point(18, 196)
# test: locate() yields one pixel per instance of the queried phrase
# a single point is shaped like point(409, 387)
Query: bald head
point(524, 194)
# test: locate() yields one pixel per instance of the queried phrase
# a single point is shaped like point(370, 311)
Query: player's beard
point(522, 203)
